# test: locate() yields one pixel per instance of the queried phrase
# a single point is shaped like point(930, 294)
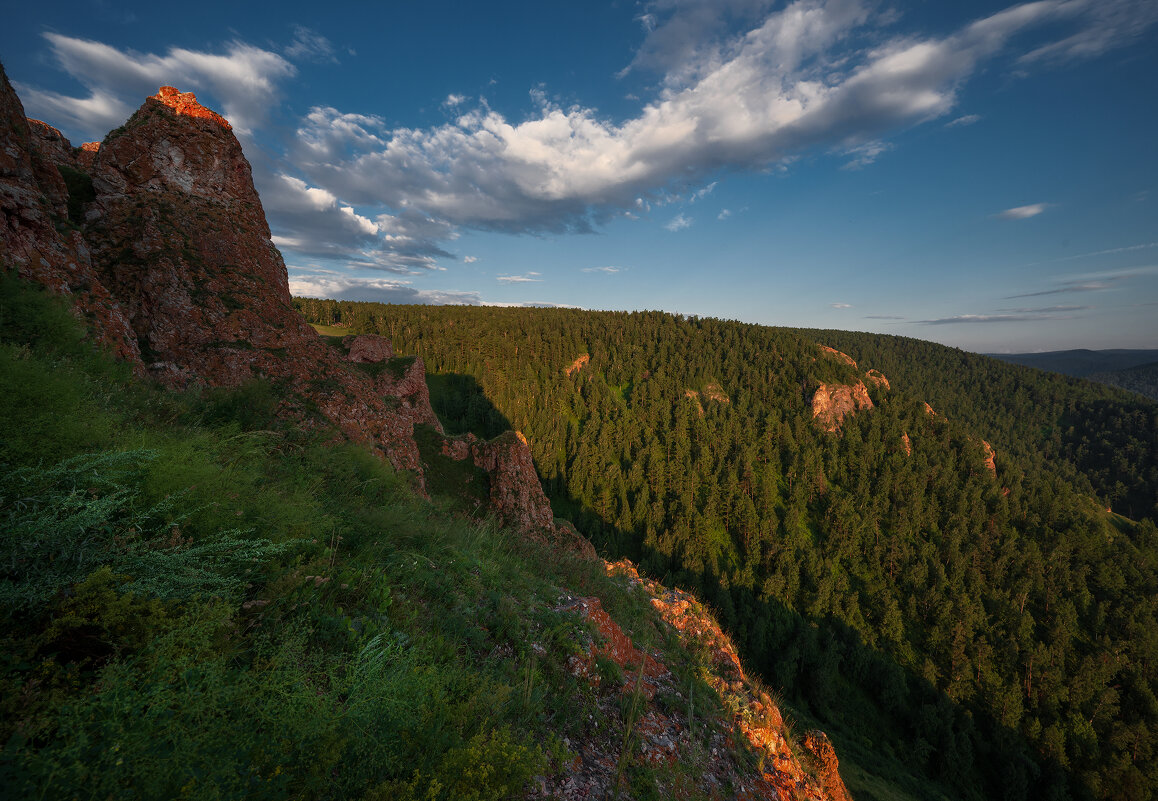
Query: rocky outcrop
point(833, 353)
point(990, 458)
point(367, 349)
point(36, 236)
point(670, 732)
point(907, 443)
point(831, 403)
point(820, 747)
point(714, 392)
point(577, 365)
point(878, 378)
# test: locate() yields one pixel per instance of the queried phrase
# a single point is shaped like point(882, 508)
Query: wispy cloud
point(960, 122)
point(1046, 309)
point(469, 259)
point(883, 317)
point(1023, 212)
point(602, 269)
point(984, 318)
point(525, 278)
point(724, 214)
point(309, 45)
point(866, 154)
point(841, 305)
point(678, 223)
point(1089, 286)
point(241, 77)
point(703, 192)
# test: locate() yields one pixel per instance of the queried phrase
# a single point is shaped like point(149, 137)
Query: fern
point(59, 524)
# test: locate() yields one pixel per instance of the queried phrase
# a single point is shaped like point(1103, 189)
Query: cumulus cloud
point(243, 79)
point(812, 74)
point(724, 214)
point(328, 284)
point(1023, 212)
point(312, 221)
point(469, 259)
point(525, 278)
point(678, 223)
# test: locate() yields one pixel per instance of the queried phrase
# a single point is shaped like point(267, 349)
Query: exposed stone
point(836, 354)
point(577, 365)
point(86, 154)
point(832, 403)
point(714, 392)
point(990, 458)
point(820, 747)
point(367, 348)
point(37, 239)
point(907, 443)
point(878, 378)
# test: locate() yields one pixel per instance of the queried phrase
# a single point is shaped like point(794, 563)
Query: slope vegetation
point(936, 577)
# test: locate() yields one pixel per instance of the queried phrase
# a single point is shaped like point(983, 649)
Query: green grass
point(330, 330)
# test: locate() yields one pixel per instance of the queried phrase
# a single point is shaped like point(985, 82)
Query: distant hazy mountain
point(1082, 363)
point(1133, 370)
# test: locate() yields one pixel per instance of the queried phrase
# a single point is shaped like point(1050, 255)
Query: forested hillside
point(987, 627)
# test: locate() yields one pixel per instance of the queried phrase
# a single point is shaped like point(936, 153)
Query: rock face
point(833, 353)
point(990, 458)
point(831, 403)
point(177, 273)
point(36, 236)
point(667, 733)
point(878, 378)
point(577, 365)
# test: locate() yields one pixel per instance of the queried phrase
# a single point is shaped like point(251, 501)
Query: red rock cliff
point(36, 236)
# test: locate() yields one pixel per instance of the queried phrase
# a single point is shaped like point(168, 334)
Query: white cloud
point(866, 154)
point(526, 278)
point(841, 305)
point(469, 259)
point(325, 284)
point(811, 74)
point(1023, 212)
point(702, 192)
point(453, 100)
point(724, 214)
point(609, 270)
point(960, 122)
point(678, 223)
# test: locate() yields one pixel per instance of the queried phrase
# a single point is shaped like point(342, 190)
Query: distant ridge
point(1131, 370)
point(1081, 363)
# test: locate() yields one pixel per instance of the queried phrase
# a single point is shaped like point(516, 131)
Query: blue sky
point(979, 174)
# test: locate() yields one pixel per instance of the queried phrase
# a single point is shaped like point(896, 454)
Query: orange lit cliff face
point(186, 105)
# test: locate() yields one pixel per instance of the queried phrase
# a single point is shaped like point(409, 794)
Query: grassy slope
point(199, 601)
